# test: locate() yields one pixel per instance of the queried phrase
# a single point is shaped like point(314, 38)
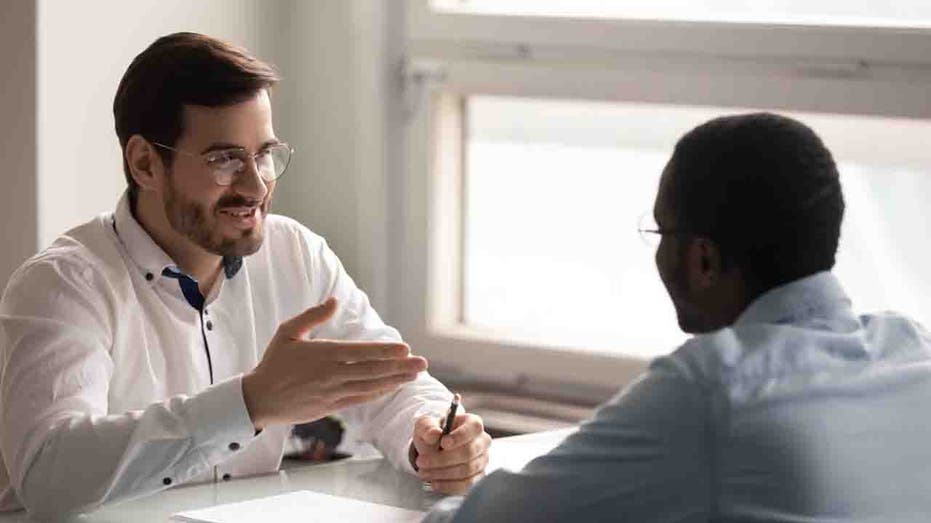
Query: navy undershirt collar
point(231, 265)
point(189, 287)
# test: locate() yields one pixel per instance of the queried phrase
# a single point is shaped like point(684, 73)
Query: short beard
point(197, 224)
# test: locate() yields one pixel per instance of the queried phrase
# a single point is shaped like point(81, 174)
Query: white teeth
point(240, 214)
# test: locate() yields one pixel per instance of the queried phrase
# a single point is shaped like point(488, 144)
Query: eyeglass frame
point(239, 172)
point(659, 231)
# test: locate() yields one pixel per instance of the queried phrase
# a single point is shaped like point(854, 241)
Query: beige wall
point(342, 95)
point(18, 235)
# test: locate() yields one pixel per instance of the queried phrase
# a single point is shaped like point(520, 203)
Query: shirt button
point(227, 477)
point(234, 446)
point(209, 325)
point(166, 481)
point(149, 276)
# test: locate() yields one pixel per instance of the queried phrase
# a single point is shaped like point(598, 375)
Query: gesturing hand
point(302, 380)
point(451, 463)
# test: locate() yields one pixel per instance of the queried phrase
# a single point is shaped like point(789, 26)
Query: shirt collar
point(145, 253)
point(818, 294)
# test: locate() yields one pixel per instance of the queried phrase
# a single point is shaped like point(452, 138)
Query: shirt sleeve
point(64, 451)
point(387, 422)
point(644, 457)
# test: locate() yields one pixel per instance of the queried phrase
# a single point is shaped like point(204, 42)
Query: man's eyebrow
point(269, 143)
point(223, 146)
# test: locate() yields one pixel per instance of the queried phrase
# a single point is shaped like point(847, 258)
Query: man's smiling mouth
point(239, 212)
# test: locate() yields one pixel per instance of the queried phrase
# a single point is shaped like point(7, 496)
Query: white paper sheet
point(301, 506)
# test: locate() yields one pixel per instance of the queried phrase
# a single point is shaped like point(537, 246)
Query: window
point(534, 143)
point(554, 189)
point(819, 12)
point(553, 192)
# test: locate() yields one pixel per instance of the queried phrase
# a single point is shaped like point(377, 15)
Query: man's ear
point(704, 263)
point(145, 165)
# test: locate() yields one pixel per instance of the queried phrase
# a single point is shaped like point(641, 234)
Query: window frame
point(834, 44)
point(870, 71)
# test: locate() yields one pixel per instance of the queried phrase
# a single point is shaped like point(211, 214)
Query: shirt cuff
point(220, 422)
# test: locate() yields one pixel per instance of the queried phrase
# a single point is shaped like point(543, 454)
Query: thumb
point(298, 326)
point(427, 433)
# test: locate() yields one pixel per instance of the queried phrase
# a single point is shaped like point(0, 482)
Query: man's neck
point(193, 260)
point(732, 296)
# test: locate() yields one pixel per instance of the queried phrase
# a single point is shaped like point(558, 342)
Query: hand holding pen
point(450, 453)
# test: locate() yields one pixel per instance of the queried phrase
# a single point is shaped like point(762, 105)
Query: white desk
point(372, 479)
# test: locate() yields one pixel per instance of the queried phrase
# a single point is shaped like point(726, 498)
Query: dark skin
point(706, 293)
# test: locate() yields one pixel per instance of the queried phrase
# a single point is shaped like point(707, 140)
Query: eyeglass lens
point(270, 163)
point(647, 228)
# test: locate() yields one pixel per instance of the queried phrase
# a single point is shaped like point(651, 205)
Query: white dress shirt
point(114, 386)
point(800, 411)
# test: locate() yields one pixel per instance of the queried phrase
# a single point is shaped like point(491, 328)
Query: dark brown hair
point(176, 70)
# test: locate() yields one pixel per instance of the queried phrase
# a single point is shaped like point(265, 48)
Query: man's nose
point(249, 183)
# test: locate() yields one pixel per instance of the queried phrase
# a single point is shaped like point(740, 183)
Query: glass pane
point(903, 13)
point(554, 191)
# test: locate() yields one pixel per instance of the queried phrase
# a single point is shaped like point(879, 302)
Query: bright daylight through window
point(553, 193)
point(911, 13)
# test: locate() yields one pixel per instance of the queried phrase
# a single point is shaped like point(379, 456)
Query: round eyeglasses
point(227, 164)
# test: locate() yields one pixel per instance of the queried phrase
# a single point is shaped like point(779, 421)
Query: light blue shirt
point(800, 411)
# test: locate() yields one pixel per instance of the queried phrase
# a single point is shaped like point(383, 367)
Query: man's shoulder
point(286, 238)
point(280, 228)
point(88, 243)
point(695, 360)
point(749, 359)
point(85, 256)
point(287, 246)
point(716, 356)
point(893, 335)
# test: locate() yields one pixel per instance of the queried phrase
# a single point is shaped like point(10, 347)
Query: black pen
point(450, 416)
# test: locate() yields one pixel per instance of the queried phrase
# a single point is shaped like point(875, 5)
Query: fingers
point(427, 434)
point(379, 368)
point(456, 472)
point(456, 486)
point(441, 459)
point(298, 326)
point(356, 351)
point(378, 386)
point(466, 427)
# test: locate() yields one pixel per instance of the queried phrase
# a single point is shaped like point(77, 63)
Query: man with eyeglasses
point(178, 338)
point(785, 405)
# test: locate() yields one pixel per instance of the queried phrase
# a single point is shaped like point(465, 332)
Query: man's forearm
point(86, 461)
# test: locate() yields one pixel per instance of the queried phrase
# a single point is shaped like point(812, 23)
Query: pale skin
point(454, 462)
point(297, 380)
